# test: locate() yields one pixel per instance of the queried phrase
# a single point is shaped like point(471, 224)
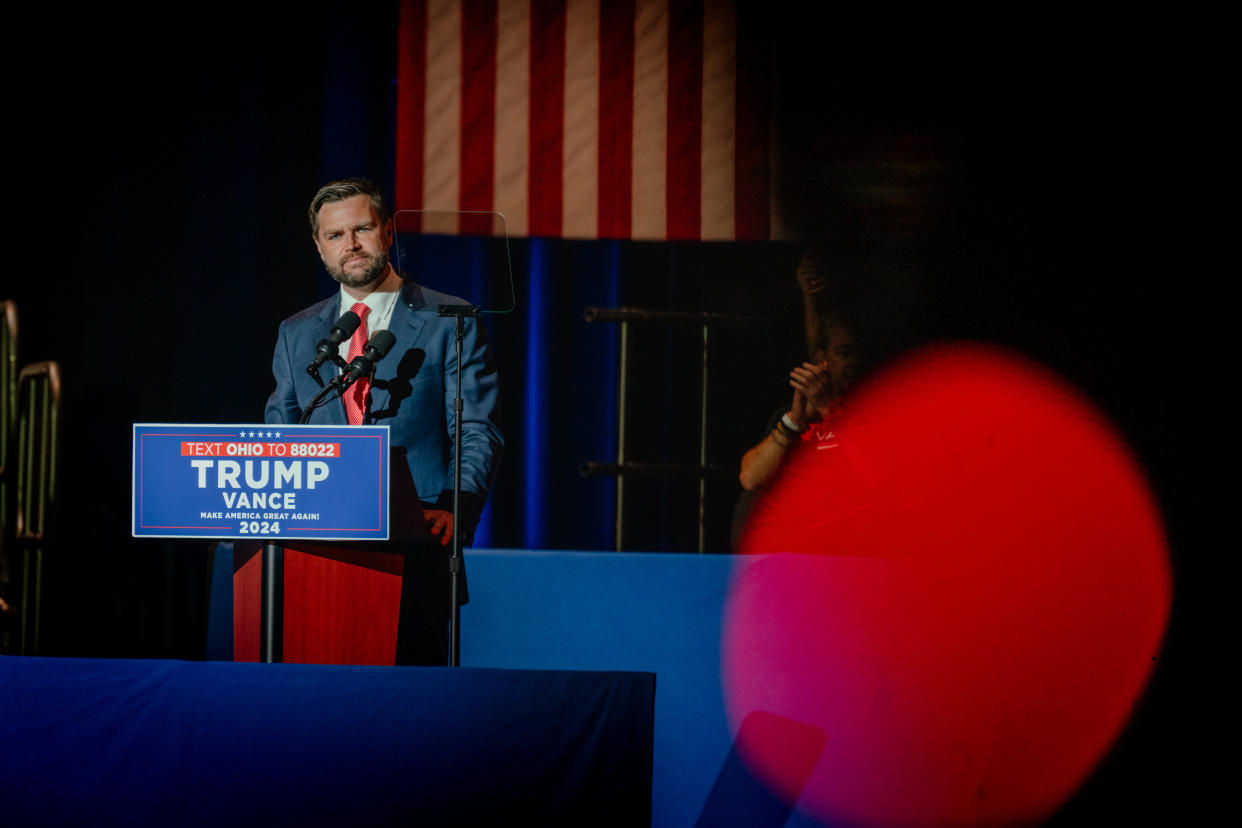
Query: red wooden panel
point(341, 605)
point(247, 591)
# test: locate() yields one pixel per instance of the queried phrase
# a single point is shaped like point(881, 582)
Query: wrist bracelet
point(789, 424)
point(780, 440)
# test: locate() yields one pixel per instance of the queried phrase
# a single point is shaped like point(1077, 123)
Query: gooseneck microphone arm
point(360, 367)
point(316, 402)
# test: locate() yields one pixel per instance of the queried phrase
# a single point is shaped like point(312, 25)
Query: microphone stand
point(317, 400)
point(459, 312)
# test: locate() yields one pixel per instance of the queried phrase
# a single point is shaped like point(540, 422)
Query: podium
point(339, 604)
point(336, 502)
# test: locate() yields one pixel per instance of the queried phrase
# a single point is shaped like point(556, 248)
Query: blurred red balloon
point(986, 590)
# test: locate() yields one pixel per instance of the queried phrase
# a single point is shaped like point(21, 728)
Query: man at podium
point(411, 390)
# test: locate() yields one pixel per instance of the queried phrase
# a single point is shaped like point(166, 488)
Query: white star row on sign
point(258, 434)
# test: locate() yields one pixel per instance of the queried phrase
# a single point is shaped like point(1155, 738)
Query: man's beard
point(376, 271)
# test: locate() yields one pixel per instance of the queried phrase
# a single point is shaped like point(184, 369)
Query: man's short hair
point(342, 189)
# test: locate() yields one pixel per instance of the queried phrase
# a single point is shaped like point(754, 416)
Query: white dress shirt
point(381, 301)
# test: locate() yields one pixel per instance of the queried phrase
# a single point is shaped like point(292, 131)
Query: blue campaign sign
point(282, 482)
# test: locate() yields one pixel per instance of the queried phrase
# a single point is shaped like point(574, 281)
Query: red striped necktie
point(356, 394)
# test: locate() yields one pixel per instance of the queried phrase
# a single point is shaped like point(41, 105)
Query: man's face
point(352, 242)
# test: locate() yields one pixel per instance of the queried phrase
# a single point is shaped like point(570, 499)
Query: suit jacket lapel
point(406, 324)
point(408, 315)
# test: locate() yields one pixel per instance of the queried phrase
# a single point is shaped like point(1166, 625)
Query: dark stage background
point(1024, 191)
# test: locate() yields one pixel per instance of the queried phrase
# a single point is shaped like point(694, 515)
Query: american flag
point(635, 119)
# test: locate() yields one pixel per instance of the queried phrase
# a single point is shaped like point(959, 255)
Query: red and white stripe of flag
point(629, 119)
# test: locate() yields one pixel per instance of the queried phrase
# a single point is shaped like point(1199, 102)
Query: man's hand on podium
point(440, 523)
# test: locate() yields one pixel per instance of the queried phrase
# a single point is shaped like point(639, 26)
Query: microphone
point(376, 349)
point(328, 348)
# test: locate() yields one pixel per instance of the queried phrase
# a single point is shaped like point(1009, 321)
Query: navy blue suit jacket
point(412, 391)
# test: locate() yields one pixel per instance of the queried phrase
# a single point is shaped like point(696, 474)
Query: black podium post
point(271, 603)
